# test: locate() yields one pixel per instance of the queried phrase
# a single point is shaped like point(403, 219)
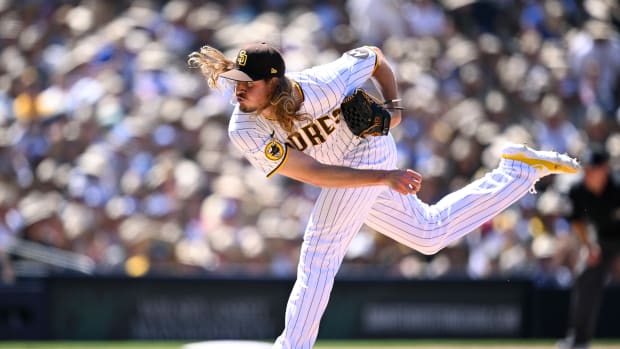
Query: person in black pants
point(596, 203)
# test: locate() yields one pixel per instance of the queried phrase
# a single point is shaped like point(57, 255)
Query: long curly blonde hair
point(212, 63)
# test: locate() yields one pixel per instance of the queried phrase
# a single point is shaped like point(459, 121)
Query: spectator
point(595, 55)
point(98, 108)
point(375, 20)
point(424, 17)
point(552, 128)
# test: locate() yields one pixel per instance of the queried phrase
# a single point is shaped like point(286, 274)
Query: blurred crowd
point(113, 150)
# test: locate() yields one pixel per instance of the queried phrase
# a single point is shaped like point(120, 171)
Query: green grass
point(92, 345)
point(457, 343)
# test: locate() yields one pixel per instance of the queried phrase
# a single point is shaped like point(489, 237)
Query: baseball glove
point(364, 115)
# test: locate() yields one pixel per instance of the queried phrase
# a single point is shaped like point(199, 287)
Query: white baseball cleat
point(547, 162)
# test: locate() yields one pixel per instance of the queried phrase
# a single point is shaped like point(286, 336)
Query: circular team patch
point(274, 150)
point(359, 52)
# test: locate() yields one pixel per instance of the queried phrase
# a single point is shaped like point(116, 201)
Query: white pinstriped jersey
point(265, 144)
point(339, 213)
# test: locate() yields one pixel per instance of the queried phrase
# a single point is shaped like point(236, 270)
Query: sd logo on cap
point(256, 62)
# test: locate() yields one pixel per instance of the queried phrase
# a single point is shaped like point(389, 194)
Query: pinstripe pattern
point(324, 88)
point(339, 212)
point(337, 216)
point(428, 229)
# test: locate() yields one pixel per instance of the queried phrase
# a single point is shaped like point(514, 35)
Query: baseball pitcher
point(318, 127)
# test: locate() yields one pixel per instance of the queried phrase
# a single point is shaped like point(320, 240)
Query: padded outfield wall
point(117, 308)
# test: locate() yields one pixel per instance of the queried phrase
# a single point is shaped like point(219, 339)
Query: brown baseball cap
point(256, 62)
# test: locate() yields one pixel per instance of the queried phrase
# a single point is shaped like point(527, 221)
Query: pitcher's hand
point(404, 181)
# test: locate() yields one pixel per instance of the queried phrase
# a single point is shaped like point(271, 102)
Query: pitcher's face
point(253, 95)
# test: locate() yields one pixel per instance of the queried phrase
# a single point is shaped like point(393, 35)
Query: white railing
point(50, 255)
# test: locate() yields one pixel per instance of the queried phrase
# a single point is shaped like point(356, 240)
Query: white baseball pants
point(340, 212)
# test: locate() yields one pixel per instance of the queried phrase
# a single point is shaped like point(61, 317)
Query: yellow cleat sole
point(551, 166)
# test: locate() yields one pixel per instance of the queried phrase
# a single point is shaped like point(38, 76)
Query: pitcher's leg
point(429, 228)
point(337, 217)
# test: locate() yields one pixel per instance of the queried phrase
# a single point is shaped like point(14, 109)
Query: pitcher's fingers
point(414, 174)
